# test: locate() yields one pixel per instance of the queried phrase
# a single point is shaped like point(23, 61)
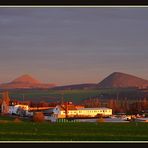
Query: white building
point(59, 112)
point(19, 109)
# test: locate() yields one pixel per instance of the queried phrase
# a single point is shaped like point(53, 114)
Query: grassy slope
point(30, 131)
point(70, 95)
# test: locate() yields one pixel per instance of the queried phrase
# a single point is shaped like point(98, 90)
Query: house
point(19, 109)
point(60, 112)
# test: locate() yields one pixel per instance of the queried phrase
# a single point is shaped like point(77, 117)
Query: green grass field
point(30, 131)
point(69, 95)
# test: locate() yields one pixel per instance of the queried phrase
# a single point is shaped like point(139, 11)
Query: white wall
point(83, 112)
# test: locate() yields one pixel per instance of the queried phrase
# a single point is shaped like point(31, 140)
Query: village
point(65, 111)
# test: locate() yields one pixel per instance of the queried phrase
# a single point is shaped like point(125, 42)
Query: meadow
point(75, 96)
point(73, 131)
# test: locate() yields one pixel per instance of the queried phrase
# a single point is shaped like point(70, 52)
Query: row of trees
point(34, 104)
point(119, 106)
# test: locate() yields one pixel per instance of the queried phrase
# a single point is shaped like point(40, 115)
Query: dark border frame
point(73, 2)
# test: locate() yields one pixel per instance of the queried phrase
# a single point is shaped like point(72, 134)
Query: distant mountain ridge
point(118, 79)
point(25, 81)
point(76, 86)
point(114, 80)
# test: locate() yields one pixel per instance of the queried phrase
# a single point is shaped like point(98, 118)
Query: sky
point(73, 45)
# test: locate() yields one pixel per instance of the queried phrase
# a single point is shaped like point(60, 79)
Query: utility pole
point(62, 98)
point(64, 105)
point(23, 97)
point(66, 109)
point(117, 97)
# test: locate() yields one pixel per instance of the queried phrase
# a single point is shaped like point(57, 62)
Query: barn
point(60, 112)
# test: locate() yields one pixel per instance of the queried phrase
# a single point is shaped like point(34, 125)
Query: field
point(31, 131)
point(69, 95)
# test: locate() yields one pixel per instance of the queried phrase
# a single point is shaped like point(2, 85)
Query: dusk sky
point(73, 45)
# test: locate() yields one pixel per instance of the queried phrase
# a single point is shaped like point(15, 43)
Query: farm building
point(60, 112)
point(20, 109)
point(25, 110)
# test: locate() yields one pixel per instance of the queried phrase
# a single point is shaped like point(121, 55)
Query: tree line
point(119, 106)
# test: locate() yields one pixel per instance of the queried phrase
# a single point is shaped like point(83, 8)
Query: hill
point(120, 80)
point(25, 81)
point(114, 80)
point(75, 86)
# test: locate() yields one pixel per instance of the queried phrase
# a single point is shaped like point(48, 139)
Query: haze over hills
point(118, 79)
point(114, 80)
point(25, 81)
point(76, 86)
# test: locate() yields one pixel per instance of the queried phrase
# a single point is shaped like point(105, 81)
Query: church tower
point(5, 103)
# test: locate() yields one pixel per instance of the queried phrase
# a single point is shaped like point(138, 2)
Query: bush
point(17, 120)
point(146, 115)
point(4, 121)
point(38, 117)
point(100, 120)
